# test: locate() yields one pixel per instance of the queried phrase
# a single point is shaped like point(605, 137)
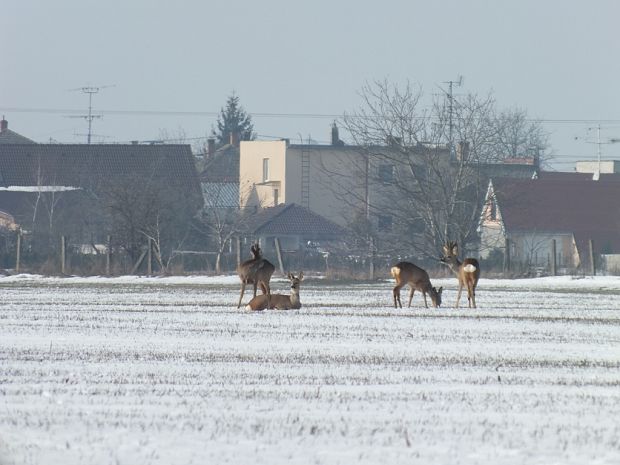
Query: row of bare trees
point(135, 212)
point(428, 166)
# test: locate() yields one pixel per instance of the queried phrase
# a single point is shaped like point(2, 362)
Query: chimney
point(210, 146)
point(335, 137)
point(462, 151)
point(4, 124)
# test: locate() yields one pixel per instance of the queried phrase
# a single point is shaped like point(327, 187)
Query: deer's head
point(295, 280)
point(256, 252)
point(450, 253)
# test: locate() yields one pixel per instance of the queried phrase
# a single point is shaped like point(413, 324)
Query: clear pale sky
point(173, 64)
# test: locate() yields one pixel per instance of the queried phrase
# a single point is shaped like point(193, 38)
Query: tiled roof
point(97, 165)
point(292, 219)
point(222, 166)
point(563, 203)
point(221, 194)
point(11, 137)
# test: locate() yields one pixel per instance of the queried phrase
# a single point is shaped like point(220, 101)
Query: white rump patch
point(469, 268)
point(247, 307)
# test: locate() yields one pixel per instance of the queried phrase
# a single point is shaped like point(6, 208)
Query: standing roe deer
point(467, 272)
point(256, 271)
point(418, 280)
point(279, 301)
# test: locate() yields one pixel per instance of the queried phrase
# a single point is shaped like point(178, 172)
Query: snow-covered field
point(168, 371)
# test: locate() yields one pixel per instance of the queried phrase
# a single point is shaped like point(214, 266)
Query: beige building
point(329, 180)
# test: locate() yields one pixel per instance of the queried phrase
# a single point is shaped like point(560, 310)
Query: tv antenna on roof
point(451, 84)
point(90, 90)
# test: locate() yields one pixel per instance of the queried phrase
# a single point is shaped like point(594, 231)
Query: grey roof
point(222, 166)
point(11, 137)
point(221, 194)
point(97, 165)
point(293, 220)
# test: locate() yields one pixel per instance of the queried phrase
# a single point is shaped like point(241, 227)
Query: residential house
point(290, 229)
point(219, 175)
point(337, 181)
point(347, 183)
point(68, 186)
point(571, 209)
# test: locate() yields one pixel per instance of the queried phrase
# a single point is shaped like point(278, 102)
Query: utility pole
point(90, 90)
point(596, 176)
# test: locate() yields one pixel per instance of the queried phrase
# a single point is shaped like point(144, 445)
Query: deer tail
point(395, 272)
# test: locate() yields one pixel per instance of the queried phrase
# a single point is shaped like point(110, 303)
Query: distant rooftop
point(11, 137)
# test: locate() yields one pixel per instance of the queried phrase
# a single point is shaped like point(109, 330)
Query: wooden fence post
point(553, 258)
point(279, 254)
point(371, 259)
point(592, 264)
point(238, 240)
point(507, 255)
point(63, 252)
point(18, 251)
point(108, 256)
point(149, 263)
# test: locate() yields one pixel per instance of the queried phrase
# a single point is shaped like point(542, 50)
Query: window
point(385, 223)
point(386, 173)
point(265, 169)
point(275, 197)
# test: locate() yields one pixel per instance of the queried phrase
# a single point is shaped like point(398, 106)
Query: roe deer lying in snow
point(467, 272)
point(279, 301)
point(256, 271)
point(418, 280)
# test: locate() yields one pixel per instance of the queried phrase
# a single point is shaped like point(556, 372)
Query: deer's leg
point(411, 296)
point(425, 302)
point(458, 297)
point(472, 293)
point(241, 296)
point(396, 294)
point(255, 285)
point(266, 290)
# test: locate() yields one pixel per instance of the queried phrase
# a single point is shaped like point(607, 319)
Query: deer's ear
point(301, 275)
point(290, 275)
point(440, 290)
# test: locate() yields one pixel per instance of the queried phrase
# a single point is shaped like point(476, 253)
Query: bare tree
point(152, 209)
point(221, 219)
point(427, 167)
point(519, 136)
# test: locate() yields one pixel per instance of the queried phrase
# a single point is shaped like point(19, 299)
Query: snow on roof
point(38, 188)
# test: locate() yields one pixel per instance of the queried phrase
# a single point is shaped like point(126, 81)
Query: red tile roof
point(563, 203)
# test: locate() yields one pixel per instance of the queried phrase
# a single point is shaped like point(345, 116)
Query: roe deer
point(418, 280)
point(467, 272)
point(279, 301)
point(256, 271)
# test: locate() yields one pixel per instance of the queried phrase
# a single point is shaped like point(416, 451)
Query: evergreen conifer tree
point(233, 120)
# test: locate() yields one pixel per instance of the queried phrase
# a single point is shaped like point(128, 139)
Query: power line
point(274, 115)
